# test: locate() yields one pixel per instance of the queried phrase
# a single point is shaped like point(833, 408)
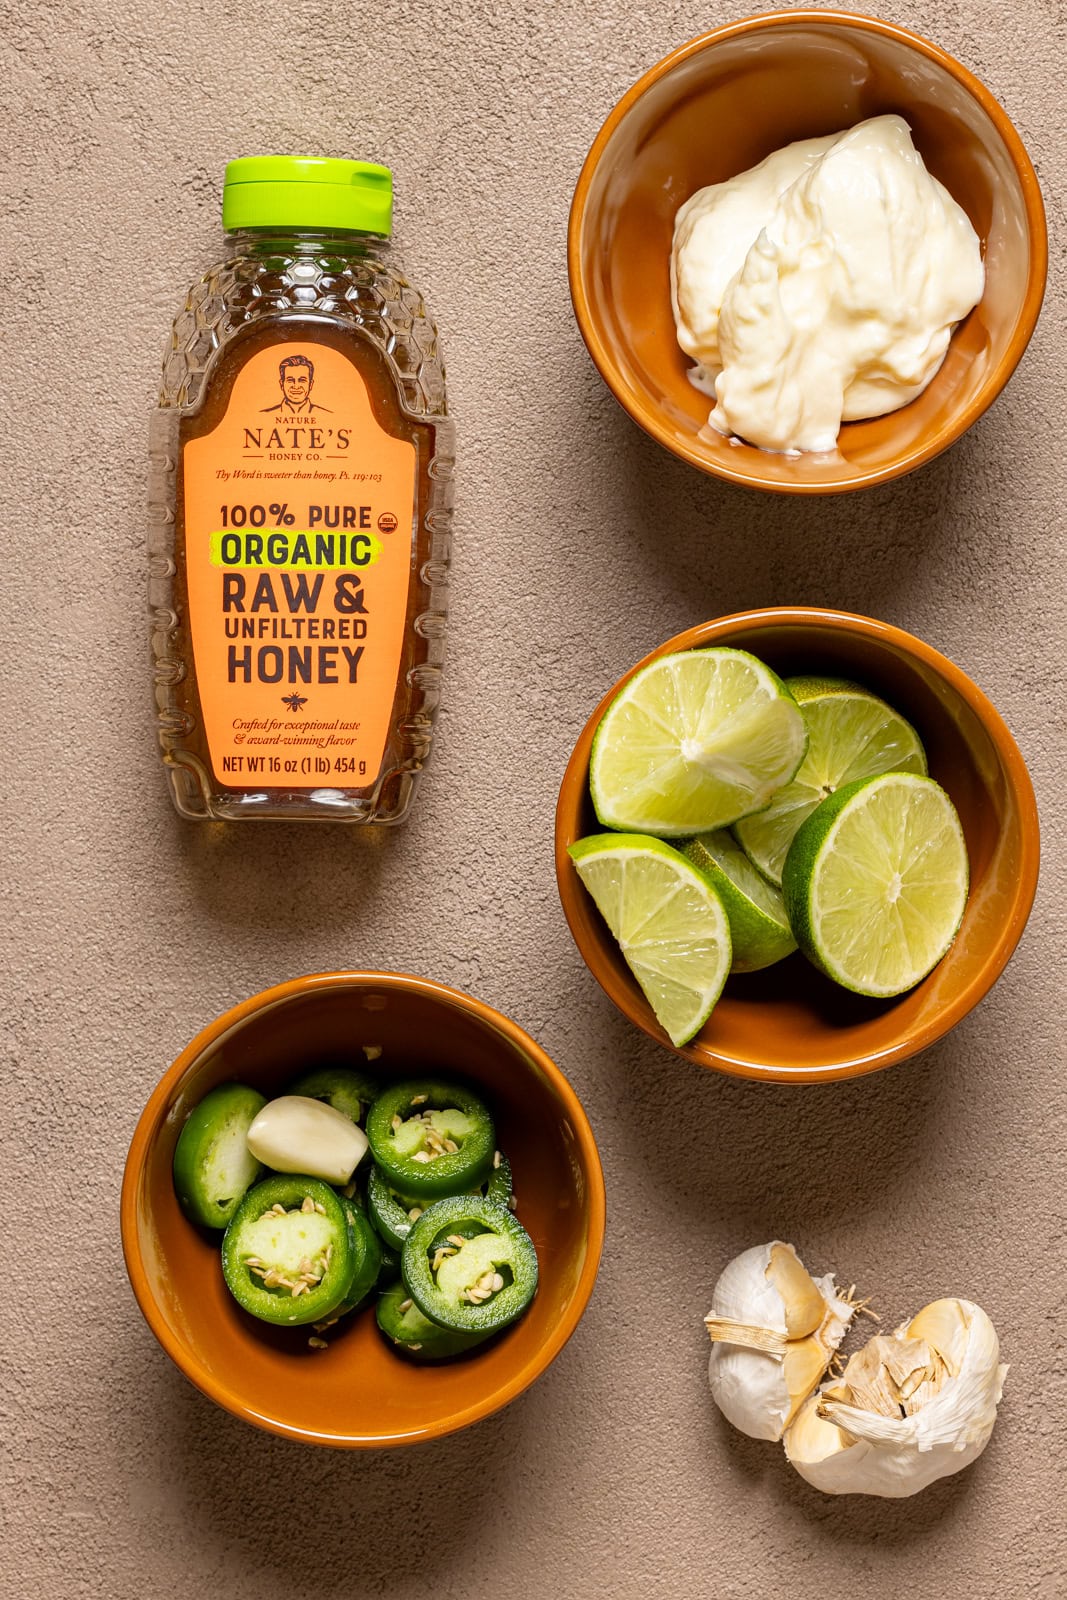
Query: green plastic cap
point(307, 192)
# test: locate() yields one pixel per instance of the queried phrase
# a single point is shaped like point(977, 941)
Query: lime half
point(759, 928)
point(851, 735)
point(669, 922)
point(695, 740)
point(875, 882)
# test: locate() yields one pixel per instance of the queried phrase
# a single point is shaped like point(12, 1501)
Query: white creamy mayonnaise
point(822, 285)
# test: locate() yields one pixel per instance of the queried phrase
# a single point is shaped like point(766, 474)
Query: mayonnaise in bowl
point(822, 285)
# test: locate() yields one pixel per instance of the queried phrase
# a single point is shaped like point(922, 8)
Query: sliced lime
point(695, 740)
point(759, 928)
point(875, 882)
point(669, 922)
point(851, 735)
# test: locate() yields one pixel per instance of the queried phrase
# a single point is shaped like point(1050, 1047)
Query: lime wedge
point(875, 882)
point(759, 928)
point(694, 741)
point(851, 735)
point(669, 922)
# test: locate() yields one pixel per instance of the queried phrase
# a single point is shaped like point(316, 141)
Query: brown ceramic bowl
point(359, 1392)
point(718, 106)
point(789, 1023)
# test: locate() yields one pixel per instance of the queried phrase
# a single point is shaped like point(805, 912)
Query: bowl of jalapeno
point(362, 1209)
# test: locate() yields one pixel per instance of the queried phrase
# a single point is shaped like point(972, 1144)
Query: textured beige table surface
point(579, 545)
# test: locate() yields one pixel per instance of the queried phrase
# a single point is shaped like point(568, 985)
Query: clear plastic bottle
point(301, 484)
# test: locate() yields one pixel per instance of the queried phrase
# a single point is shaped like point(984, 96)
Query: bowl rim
point(1037, 235)
point(154, 1115)
point(574, 787)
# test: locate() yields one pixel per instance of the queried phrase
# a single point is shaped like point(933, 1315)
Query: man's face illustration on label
point(296, 385)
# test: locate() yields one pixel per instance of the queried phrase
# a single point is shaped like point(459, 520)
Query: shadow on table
point(858, 1520)
point(421, 1519)
point(879, 552)
point(276, 876)
point(772, 1156)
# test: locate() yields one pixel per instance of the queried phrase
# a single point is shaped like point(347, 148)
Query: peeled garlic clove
point(909, 1408)
point(297, 1134)
point(773, 1329)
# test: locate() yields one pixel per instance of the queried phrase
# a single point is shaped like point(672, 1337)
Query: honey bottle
point(300, 501)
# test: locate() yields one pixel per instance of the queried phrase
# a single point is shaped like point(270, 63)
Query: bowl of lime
point(796, 844)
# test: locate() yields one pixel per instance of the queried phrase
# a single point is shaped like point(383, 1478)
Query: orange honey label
point(298, 538)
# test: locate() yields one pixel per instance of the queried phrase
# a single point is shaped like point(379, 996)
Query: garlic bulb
point(909, 1408)
point(773, 1329)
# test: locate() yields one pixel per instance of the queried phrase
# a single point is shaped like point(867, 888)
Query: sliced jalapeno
point(365, 1280)
point(389, 1271)
point(404, 1326)
point(345, 1088)
point(469, 1265)
point(394, 1215)
point(430, 1138)
point(498, 1185)
point(389, 1211)
point(367, 1250)
point(288, 1255)
point(213, 1166)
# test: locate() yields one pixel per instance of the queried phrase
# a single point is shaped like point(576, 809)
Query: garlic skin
point(774, 1329)
point(909, 1409)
